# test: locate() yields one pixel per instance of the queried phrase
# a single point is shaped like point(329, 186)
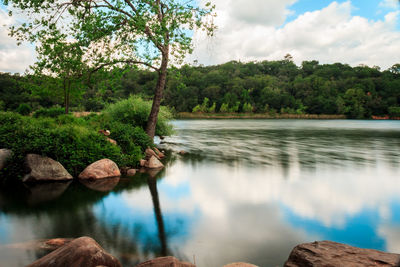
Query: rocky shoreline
point(86, 252)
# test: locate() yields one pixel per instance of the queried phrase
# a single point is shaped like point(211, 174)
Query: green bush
point(49, 112)
point(24, 109)
point(135, 111)
point(394, 111)
point(74, 146)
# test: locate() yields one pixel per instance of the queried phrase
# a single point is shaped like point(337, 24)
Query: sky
point(351, 31)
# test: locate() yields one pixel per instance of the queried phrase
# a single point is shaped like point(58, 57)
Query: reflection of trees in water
point(308, 148)
point(71, 214)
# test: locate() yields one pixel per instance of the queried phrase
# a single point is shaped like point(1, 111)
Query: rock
point(44, 169)
point(105, 132)
point(131, 172)
point(150, 152)
point(112, 141)
point(159, 153)
point(101, 185)
point(5, 155)
point(124, 170)
point(142, 162)
point(240, 264)
point(328, 253)
point(165, 262)
point(83, 251)
point(104, 168)
point(154, 163)
point(182, 152)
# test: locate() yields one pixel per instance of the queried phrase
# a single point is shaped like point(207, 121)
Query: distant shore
point(189, 115)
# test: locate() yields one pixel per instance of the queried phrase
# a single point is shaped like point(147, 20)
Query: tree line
point(254, 87)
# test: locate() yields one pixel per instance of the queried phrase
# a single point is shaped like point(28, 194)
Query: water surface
point(246, 190)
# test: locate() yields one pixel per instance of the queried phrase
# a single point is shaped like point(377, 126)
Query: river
point(245, 190)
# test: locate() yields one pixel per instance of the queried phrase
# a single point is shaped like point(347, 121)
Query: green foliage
point(74, 146)
point(247, 108)
point(224, 108)
point(394, 111)
point(135, 111)
point(52, 112)
point(24, 109)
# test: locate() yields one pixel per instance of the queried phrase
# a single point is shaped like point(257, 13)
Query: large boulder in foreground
point(328, 253)
point(153, 163)
point(104, 168)
point(5, 155)
point(165, 262)
point(44, 169)
point(83, 251)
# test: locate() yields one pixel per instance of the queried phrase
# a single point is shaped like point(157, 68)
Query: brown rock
point(100, 169)
point(182, 152)
point(112, 141)
point(328, 253)
point(142, 162)
point(240, 264)
point(150, 152)
point(44, 169)
point(83, 251)
point(131, 172)
point(154, 163)
point(165, 262)
point(101, 185)
point(159, 153)
point(105, 132)
point(5, 155)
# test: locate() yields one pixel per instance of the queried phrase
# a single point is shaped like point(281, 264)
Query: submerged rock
point(131, 172)
point(328, 253)
point(44, 169)
point(83, 251)
point(154, 163)
point(104, 168)
point(101, 185)
point(5, 155)
point(165, 262)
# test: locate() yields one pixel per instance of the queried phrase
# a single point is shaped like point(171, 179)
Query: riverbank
point(189, 115)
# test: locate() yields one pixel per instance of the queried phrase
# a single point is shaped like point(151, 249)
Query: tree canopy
point(106, 33)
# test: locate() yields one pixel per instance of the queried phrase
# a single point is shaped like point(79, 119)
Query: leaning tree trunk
point(155, 108)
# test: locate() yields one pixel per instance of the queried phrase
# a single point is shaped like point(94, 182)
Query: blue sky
point(347, 31)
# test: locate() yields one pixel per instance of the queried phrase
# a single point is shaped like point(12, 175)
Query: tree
point(119, 32)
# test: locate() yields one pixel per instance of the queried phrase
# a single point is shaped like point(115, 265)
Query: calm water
point(246, 190)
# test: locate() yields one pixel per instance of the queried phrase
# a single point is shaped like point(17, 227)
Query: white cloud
point(329, 35)
point(390, 4)
point(13, 58)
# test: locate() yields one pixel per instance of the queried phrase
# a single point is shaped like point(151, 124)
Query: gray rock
point(44, 169)
point(328, 253)
point(5, 155)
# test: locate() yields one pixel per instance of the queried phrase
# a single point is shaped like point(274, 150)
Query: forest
point(274, 87)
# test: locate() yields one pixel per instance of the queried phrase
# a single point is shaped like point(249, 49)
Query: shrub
point(24, 109)
point(394, 111)
point(74, 146)
point(49, 112)
point(135, 111)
